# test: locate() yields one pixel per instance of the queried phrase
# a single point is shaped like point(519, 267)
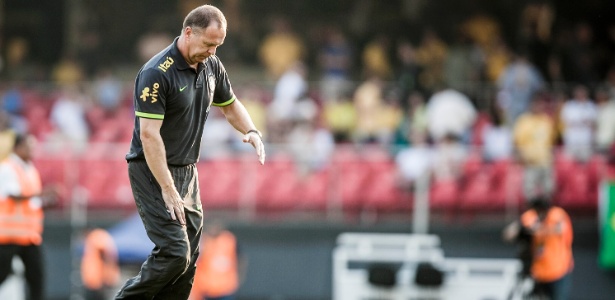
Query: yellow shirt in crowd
point(534, 136)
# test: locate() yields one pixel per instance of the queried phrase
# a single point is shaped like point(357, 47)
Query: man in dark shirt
point(172, 97)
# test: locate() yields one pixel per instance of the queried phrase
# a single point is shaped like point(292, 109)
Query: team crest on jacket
point(211, 81)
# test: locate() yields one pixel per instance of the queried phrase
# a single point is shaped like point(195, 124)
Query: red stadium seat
point(473, 163)
point(444, 195)
point(491, 187)
point(54, 174)
point(38, 121)
point(478, 192)
point(351, 181)
point(276, 185)
point(314, 191)
point(220, 183)
point(381, 192)
point(575, 189)
point(106, 183)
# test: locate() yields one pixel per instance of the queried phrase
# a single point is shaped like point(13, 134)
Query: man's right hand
point(174, 204)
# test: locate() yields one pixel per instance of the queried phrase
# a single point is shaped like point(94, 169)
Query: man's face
point(25, 149)
point(203, 42)
point(539, 106)
point(580, 93)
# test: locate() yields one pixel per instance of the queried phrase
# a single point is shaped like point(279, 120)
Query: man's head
point(580, 92)
point(23, 146)
point(204, 29)
point(539, 104)
point(541, 205)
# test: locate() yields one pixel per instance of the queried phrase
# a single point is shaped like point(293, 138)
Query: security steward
point(21, 215)
point(220, 265)
point(173, 94)
point(552, 237)
point(100, 268)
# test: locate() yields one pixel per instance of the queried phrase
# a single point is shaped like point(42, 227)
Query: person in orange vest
point(21, 215)
point(100, 271)
point(219, 266)
point(552, 261)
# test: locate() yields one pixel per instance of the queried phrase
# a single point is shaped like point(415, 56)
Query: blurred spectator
point(7, 136)
point(18, 65)
point(484, 33)
point(217, 136)
point(579, 63)
point(418, 112)
point(517, 86)
point(578, 117)
point(281, 48)
point(534, 136)
point(555, 73)
point(22, 203)
point(220, 267)
point(463, 65)
point(448, 158)
point(535, 32)
point(368, 102)
point(557, 99)
point(341, 118)
point(12, 102)
point(497, 138)
point(152, 42)
point(553, 260)
point(408, 72)
point(335, 60)
point(289, 89)
point(605, 121)
point(482, 29)
point(414, 120)
point(100, 270)
point(68, 116)
point(449, 112)
point(413, 161)
point(497, 58)
point(311, 144)
point(375, 58)
point(68, 71)
point(108, 91)
point(431, 55)
point(390, 118)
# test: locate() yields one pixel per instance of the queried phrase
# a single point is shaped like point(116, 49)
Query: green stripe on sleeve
point(149, 116)
point(225, 103)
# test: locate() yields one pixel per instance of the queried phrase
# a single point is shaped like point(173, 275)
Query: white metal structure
point(465, 278)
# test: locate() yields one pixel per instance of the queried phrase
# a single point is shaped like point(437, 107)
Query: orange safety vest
point(552, 252)
point(21, 221)
point(216, 269)
point(99, 264)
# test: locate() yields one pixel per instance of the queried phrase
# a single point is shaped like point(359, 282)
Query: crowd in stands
point(431, 102)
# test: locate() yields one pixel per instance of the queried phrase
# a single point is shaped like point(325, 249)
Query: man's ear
point(188, 31)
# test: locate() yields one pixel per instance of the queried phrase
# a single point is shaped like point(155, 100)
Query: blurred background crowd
point(519, 81)
point(344, 72)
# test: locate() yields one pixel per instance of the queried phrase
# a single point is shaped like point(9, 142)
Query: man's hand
point(174, 204)
point(256, 141)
